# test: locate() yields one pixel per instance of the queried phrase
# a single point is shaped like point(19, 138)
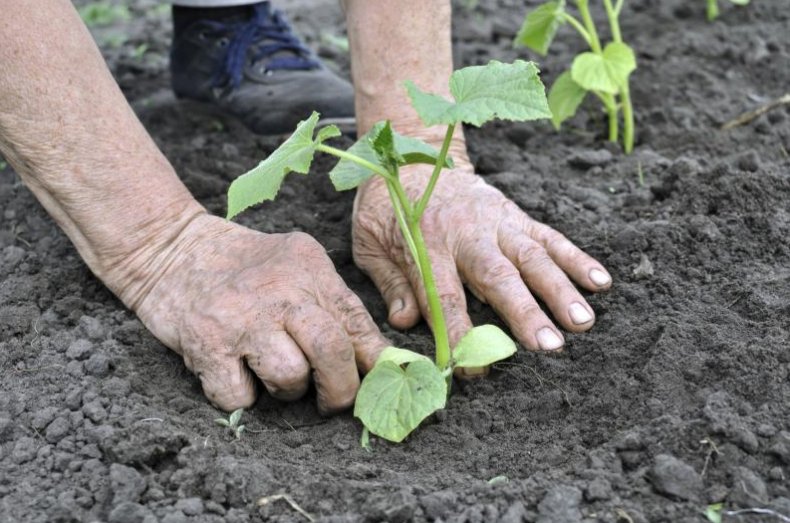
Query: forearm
point(67, 130)
point(392, 42)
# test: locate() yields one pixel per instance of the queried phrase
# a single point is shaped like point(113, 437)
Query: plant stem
point(614, 25)
point(437, 169)
point(595, 45)
point(625, 95)
point(408, 218)
point(584, 10)
point(440, 336)
point(713, 9)
point(403, 223)
point(628, 119)
point(614, 123)
point(578, 26)
point(356, 159)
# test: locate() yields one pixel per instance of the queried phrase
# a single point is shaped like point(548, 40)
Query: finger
point(347, 308)
point(227, 382)
point(404, 312)
point(548, 281)
point(582, 268)
point(279, 363)
point(493, 276)
point(330, 353)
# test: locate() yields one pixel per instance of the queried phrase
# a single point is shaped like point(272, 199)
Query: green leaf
point(393, 401)
point(740, 2)
point(482, 346)
point(294, 155)
point(383, 144)
point(400, 356)
point(499, 480)
point(235, 416)
point(222, 421)
point(348, 175)
point(606, 72)
point(565, 96)
point(713, 512)
point(482, 93)
point(103, 13)
point(540, 26)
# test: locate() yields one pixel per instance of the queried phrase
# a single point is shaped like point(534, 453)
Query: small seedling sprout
point(713, 7)
point(232, 423)
point(602, 71)
point(405, 387)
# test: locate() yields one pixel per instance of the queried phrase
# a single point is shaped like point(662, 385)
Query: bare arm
point(231, 301)
point(69, 133)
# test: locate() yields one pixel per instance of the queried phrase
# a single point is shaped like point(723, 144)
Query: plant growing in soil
point(232, 423)
point(405, 387)
point(602, 71)
point(713, 7)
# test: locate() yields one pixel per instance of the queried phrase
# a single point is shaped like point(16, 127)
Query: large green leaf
point(606, 72)
point(565, 96)
point(482, 93)
point(541, 25)
point(348, 174)
point(393, 401)
point(294, 155)
point(482, 346)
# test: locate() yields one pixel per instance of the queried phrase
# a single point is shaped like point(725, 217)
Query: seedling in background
point(713, 7)
point(602, 71)
point(232, 423)
point(404, 387)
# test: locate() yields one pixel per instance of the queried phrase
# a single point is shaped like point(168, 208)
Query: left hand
point(477, 236)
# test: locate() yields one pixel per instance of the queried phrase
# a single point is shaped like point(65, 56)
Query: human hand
point(476, 236)
point(234, 302)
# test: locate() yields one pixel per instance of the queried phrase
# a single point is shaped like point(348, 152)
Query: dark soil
point(678, 398)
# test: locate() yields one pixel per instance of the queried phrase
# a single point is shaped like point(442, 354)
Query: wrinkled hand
point(234, 302)
point(476, 236)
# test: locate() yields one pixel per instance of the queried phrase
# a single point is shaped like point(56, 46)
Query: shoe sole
point(164, 100)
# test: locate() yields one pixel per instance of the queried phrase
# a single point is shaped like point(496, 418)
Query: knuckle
point(306, 246)
point(529, 309)
point(531, 253)
point(497, 272)
point(358, 322)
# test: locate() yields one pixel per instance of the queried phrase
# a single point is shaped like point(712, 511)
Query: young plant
point(232, 423)
point(713, 7)
point(602, 71)
point(404, 387)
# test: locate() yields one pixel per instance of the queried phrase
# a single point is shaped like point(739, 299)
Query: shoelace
point(266, 25)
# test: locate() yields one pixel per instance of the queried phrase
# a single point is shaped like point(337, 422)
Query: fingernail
point(397, 306)
point(599, 277)
point(579, 314)
point(548, 339)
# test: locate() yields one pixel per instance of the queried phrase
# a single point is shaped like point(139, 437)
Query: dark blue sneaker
point(255, 68)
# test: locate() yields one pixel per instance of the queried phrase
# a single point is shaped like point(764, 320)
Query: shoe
point(256, 69)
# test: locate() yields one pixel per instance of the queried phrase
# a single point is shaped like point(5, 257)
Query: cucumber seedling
point(404, 387)
point(713, 7)
point(232, 423)
point(602, 71)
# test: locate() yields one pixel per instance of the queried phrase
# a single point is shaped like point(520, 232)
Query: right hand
point(234, 302)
